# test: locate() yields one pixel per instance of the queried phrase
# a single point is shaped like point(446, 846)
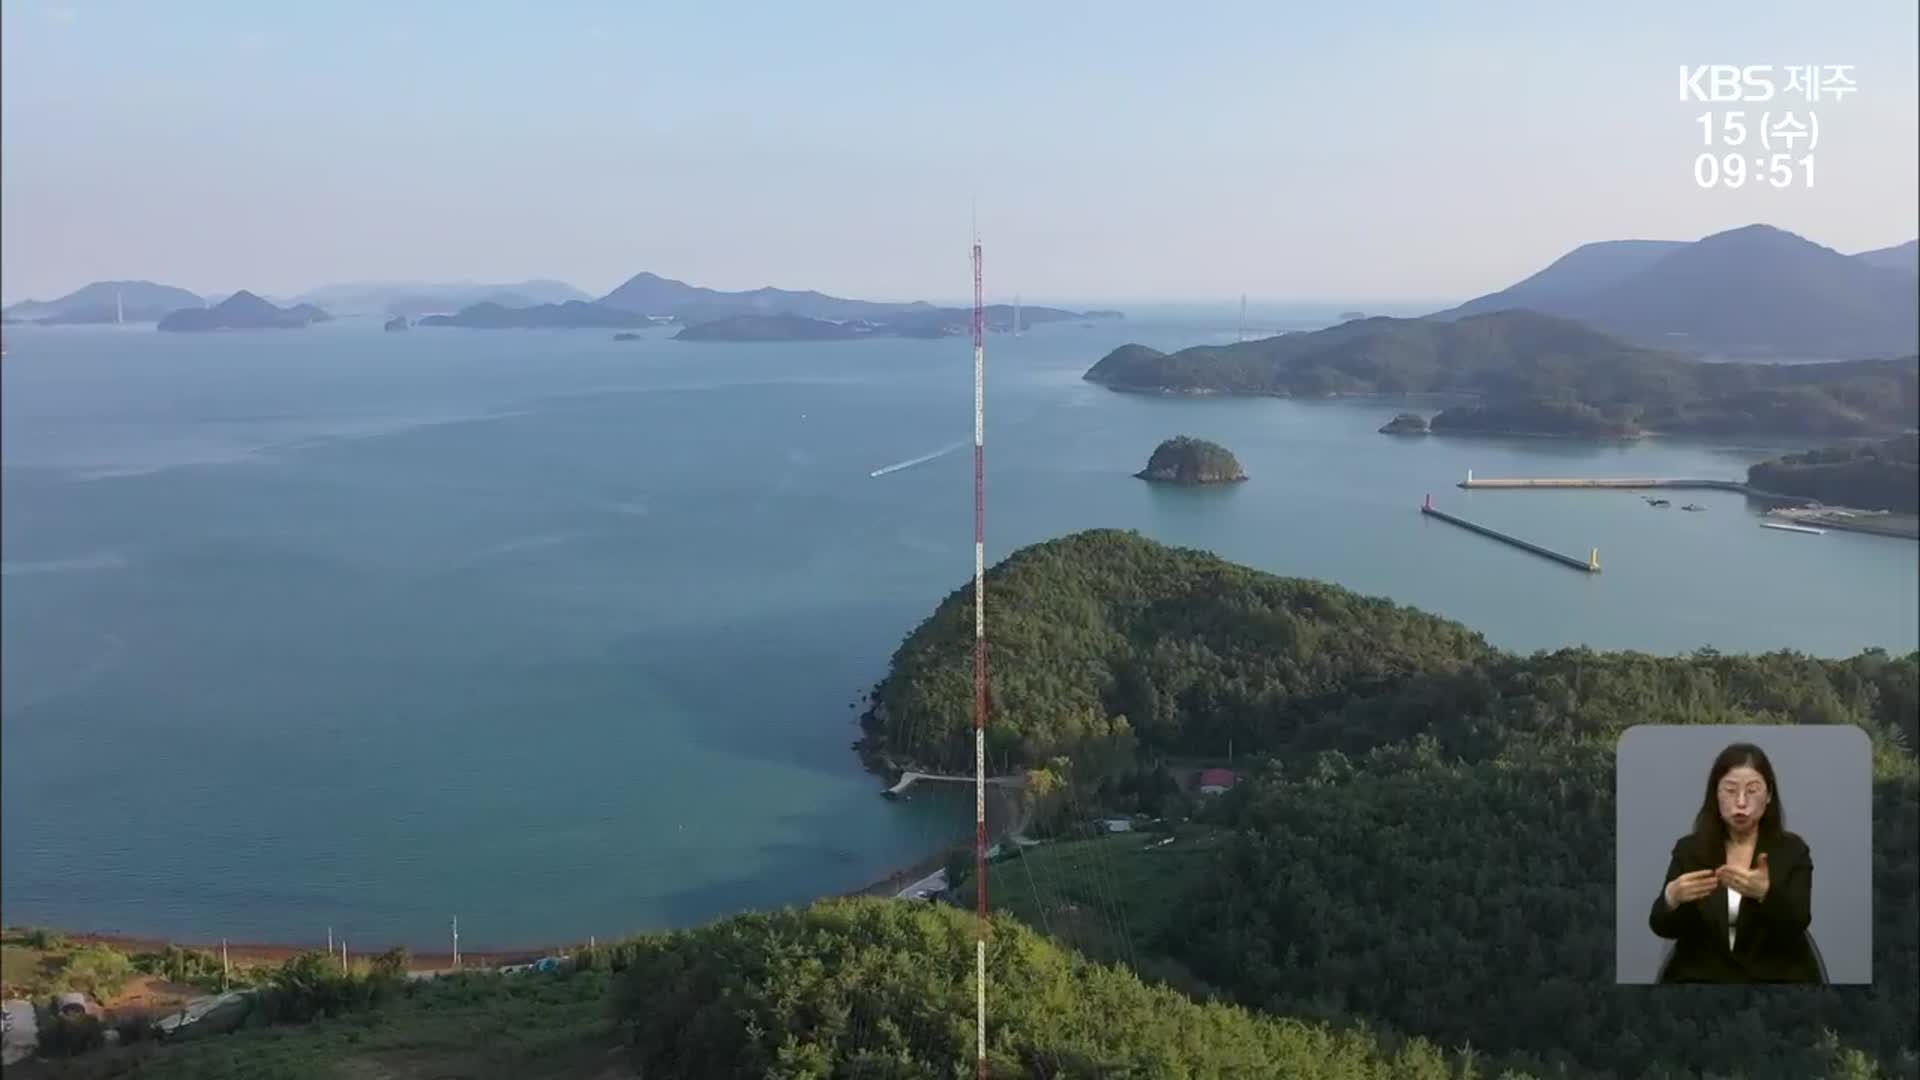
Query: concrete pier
point(1597, 482)
point(908, 779)
point(1590, 565)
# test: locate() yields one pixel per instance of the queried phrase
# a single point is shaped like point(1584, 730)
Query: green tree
point(391, 964)
point(97, 970)
point(874, 988)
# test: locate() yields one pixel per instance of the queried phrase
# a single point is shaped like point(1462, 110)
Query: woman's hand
point(1690, 887)
point(1752, 884)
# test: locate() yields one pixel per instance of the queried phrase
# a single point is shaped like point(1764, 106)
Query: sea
point(353, 632)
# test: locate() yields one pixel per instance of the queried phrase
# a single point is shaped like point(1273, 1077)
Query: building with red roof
point(1215, 781)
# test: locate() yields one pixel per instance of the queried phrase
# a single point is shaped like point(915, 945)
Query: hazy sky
point(1123, 151)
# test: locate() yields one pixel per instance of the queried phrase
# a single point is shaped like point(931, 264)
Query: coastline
point(1005, 815)
point(256, 953)
point(1468, 399)
point(1002, 805)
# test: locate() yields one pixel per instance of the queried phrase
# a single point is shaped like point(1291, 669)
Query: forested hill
point(1880, 476)
point(1561, 376)
point(1104, 632)
point(1425, 842)
point(1754, 290)
point(883, 990)
point(1422, 855)
point(1463, 888)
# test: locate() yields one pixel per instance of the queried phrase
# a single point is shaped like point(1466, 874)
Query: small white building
point(1118, 824)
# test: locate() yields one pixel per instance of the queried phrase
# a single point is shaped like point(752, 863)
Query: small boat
point(1785, 527)
point(1658, 502)
point(1693, 506)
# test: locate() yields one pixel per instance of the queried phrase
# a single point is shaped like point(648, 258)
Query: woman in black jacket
point(1739, 886)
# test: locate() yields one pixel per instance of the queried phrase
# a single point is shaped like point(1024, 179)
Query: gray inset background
point(1826, 783)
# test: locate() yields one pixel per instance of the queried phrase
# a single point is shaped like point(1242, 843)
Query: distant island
point(106, 302)
point(1755, 291)
point(775, 328)
point(626, 335)
point(573, 314)
point(1406, 424)
point(930, 323)
point(243, 311)
point(1877, 476)
point(1539, 375)
point(398, 322)
point(1189, 461)
point(1349, 316)
point(415, 298)
point(757, 315)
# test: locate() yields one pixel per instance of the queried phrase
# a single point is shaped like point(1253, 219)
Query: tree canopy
point(1876, 476)
point(1547, 375)
point(1103, 633)
point(1428, 846)
point(877, 988)
point(1187, 460)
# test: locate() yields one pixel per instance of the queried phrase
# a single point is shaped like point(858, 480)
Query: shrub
point(42, 939)
point(98, 971)
point(391, 964)
point(194, 967)
point(66, 1036)
point(311, 985)
point(132, 1028)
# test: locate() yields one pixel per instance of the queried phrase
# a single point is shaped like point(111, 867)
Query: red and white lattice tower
point(979, 663)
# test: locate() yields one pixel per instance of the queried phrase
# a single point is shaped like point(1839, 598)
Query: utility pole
point(225, 971)
point(329, 941)
point(979, 664)
point(456, 941)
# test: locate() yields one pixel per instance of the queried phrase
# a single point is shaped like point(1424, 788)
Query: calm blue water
point(352, 629)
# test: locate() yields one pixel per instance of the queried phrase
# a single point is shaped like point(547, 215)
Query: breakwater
point(1590, 565)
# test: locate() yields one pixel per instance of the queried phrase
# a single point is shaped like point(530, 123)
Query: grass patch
point(26, 971)
point(36, 963)
point(1115, 898)
point(544, 1027)
point(1902, 525)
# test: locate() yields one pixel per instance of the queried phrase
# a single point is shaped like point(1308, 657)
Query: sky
point(1143, 151)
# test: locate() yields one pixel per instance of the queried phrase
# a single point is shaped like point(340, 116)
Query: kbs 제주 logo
point(1771, 146)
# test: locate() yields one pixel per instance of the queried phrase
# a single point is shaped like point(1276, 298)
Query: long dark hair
point(1708, 828)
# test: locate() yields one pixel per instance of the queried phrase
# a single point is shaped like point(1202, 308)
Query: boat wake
point(921, 460)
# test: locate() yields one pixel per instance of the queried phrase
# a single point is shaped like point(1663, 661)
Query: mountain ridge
point(411, 298)
point(242, 311)
point(1753, 291)
point(1541, 374)
point(764, 314)
point(105, 302)
point(1904, 257)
